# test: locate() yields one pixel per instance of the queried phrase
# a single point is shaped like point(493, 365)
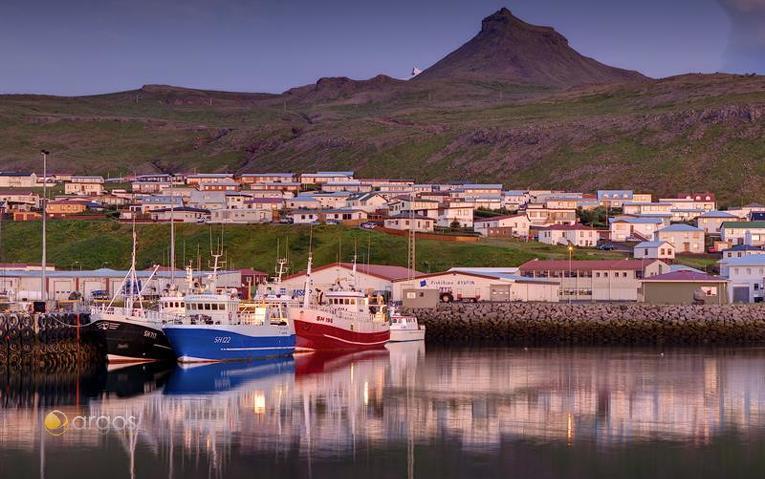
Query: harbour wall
point(48, 342)
point(592, 324)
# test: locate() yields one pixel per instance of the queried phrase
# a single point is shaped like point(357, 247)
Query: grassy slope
point(93, 244)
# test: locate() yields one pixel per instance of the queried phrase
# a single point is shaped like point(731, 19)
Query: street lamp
point(43, 282)
point(570, 254)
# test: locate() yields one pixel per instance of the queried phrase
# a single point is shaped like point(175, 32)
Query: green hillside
point(695, 132)
point(93, 244)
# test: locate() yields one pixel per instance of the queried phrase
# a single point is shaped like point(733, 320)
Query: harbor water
point(406, 411)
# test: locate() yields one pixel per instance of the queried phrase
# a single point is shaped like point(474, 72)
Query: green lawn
point(94, 244)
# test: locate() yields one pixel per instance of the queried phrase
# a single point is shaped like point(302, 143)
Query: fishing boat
point(131, 332)
point(342, 319)
point(405, 328)
point(218, 326)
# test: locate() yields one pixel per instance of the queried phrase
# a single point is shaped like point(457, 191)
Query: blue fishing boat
point(218, 326)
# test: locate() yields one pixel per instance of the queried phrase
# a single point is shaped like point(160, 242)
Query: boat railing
point(144, 314)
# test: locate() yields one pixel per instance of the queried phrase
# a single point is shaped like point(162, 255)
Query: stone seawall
point(594, 324)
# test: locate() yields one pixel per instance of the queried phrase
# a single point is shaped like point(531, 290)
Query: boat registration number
point(322, 319)
point(222, 339)
point(150, 334)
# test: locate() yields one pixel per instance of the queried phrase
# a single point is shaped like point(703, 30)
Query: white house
point(241, 216)
point(405, 222)
point(654, 250)
point(739, 251)
point(84, 185)
point(304, 216)
point(303, 202)
point(626, 229)
point(576, 235)
point(747, 278)
point(712, 221)
point(751, 233)
point(455, 212)
point(368, 202)
point(517, 225)
point(184, 214)
point(685, 238)
point(344, 215)
point(322, 177)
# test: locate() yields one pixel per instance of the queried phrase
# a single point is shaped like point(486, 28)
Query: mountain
point(491, 111)
point(509, 49)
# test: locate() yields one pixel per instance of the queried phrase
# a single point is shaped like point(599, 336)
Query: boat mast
point(172, 241)
point(411, 261)
point(307, 287)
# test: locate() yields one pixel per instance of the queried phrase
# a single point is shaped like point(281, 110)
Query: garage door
point(740, 294)
point(500, 292)
point(61, 289)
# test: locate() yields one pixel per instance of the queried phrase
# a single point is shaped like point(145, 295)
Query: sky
point(77, 47)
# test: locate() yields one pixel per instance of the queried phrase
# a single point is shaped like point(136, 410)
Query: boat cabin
point(356, 302)
point(404, 322)
point(212, 309)
point(172, 304)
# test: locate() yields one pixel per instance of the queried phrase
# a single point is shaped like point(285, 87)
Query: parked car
point(606, 247)
point(331, 222)
point(368, 225)
point(286, 220)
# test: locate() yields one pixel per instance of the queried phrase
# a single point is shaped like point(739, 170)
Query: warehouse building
point(473, 286)
point(24, 285)
point(373, 278)
point(596, 280)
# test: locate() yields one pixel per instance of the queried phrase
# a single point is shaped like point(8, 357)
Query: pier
point(49, 342)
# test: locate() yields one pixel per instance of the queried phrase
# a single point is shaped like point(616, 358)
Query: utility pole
point(411, 261)
point(43, 281)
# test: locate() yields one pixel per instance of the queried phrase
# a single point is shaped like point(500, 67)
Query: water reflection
point(393, 413)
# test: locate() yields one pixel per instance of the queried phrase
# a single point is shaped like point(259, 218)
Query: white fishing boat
point(405, 328)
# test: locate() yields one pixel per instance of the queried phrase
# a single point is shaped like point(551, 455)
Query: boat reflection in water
point(401, 412)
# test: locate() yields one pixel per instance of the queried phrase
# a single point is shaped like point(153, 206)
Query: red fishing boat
point(339, 320)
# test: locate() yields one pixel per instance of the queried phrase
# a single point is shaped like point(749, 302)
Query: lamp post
point(570, 254)
point(43, 282)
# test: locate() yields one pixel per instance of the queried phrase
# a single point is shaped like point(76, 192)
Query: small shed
point(685, 287)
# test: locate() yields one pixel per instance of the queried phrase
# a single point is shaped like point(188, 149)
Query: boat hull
point(132, 341)
point(325, 337)
point(405, 335)
point(197, 343)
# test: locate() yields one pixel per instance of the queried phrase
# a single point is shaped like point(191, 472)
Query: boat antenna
point(355, 256)
point(308, 286)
